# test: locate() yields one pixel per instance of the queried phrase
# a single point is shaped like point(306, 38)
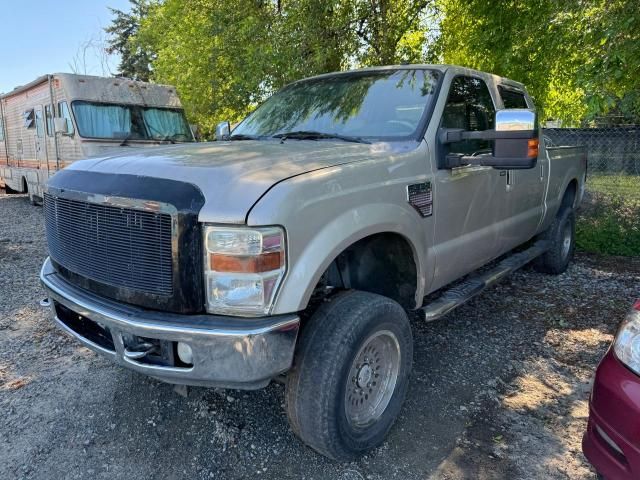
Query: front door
point(469, 207)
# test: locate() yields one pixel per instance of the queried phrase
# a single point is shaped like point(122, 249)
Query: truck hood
point(231, 175)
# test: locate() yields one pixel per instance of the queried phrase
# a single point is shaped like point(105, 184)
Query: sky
point(39, 37)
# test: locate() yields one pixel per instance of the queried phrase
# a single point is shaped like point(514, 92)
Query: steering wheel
point(403, 123)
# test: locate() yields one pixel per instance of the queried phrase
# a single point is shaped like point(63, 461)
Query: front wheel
point(350, 374)
point(562, 243)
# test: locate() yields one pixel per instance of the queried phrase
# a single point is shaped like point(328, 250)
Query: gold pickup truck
point(293, 246)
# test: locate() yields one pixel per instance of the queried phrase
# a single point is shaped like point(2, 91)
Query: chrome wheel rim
point(372, 379)
point(566, 240)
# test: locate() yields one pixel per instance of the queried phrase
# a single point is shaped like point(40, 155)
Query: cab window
point(512, 98)
point(469, 107)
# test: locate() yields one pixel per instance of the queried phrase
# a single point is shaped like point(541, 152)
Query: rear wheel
point(561, 237)
point(350, 374)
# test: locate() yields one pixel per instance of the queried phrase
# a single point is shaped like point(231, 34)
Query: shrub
point(609, 224)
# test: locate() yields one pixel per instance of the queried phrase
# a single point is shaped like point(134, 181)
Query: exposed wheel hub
point(364, 376)
point(372, 379)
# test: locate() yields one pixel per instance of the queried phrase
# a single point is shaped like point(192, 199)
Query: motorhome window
point(103, 121)
point(133, 122)
point(163, 123)
point(1, 129)
point(29, 118)
point(39, 124)
point(63, 109)
point(49, 120)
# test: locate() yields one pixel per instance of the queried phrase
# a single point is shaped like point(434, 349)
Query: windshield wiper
point(125, 142)
point(311, 135)
point(168, 138)
point(242, 136)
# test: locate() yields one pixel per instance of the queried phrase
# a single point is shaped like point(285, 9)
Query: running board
point(467, 289)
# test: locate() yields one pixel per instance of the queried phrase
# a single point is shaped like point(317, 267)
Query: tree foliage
point(135, 62)
point(226, 57)
point(579, 58)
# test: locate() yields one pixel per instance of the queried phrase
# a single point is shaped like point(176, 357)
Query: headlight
point(243, 269)
point(627, 343)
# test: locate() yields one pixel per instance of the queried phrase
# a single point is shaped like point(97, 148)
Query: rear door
point(524, 188)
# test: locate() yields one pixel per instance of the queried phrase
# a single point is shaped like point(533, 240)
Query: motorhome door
point(40, 141)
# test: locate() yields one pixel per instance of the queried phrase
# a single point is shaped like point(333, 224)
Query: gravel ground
point(499, 389)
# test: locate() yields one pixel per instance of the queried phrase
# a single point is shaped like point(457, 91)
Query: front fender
point(333, 238)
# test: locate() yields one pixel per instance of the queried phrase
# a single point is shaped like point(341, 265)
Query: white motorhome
point(57, 119)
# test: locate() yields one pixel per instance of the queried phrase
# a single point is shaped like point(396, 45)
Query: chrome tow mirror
point(223, 130)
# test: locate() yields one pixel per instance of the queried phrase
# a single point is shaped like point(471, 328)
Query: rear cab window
point(512, 97)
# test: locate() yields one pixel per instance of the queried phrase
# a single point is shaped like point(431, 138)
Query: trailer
point(59, 118)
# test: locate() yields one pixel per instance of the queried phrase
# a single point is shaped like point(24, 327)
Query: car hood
point(231, 175)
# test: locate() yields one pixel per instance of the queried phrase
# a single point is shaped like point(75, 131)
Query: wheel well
point(25, 185)
point(569, 198)
point(382, 263)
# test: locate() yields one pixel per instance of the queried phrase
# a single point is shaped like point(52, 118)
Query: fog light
point(184, 353)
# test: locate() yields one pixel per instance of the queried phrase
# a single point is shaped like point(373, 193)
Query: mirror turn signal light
point(532, 148)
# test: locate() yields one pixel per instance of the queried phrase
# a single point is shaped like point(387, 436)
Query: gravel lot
point(499, 389)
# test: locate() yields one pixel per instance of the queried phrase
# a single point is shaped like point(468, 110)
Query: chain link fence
point(609, 217)
point(613, 156)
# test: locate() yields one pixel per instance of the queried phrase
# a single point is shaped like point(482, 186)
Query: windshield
point(133, 122)
point(383, 104)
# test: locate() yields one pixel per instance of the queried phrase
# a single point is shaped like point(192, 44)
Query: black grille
point(123, 247)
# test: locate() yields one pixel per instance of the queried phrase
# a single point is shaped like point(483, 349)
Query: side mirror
point(223, 130)
point(60, 125)
point(515, 142)
point(195, 130)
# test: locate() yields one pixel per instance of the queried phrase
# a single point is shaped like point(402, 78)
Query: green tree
point(225, 58)
point(135, 62)
point(216, 53)
point(579, 58)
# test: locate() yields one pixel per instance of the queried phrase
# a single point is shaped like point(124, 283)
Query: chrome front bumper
point(227, 351)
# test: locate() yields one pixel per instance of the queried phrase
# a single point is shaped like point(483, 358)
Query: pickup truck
point(292, 248)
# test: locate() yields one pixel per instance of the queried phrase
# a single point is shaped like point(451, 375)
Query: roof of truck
point(423, 66)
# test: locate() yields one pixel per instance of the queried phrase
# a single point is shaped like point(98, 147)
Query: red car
point(612, 440)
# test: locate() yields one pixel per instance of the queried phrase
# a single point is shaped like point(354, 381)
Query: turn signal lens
point(532, 148)
point(265, 262)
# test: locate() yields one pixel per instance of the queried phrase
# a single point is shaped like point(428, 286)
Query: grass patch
point(627, 186)
point(609, 220)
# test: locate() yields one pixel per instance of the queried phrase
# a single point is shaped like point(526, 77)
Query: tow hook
point(140, 350)
point(45, 302)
